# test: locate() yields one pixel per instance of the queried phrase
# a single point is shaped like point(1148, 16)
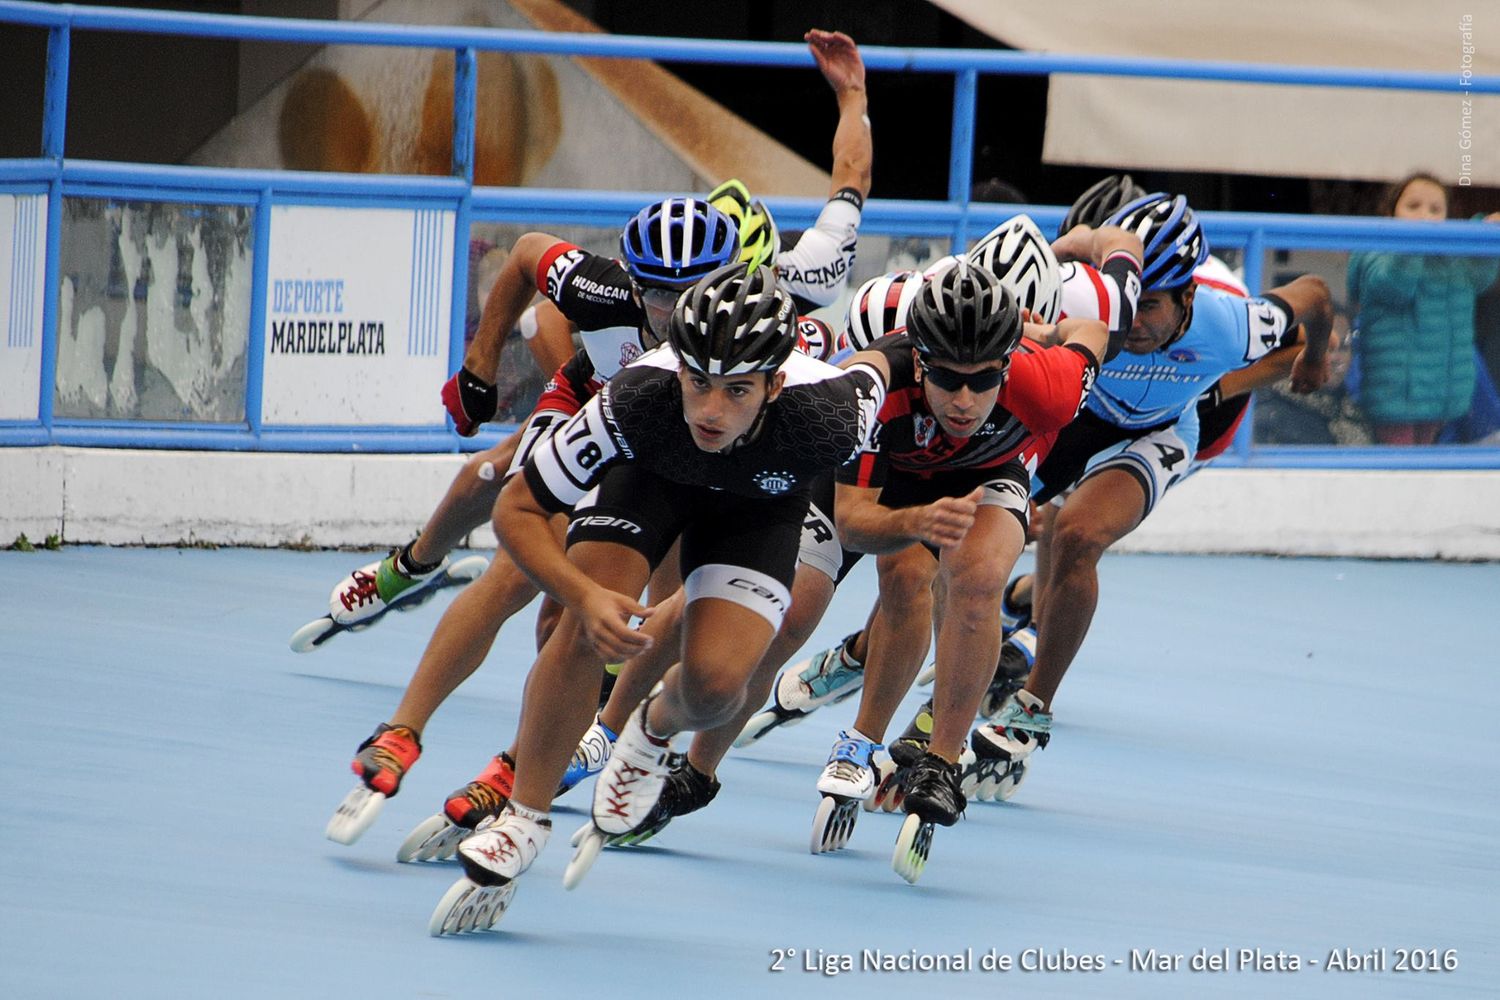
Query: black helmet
point(964, 316)
point(1101, 201)
point(733, 321)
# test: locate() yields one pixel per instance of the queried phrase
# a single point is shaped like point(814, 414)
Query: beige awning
point(1345, 133)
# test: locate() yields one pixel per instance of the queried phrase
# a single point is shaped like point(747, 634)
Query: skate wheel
point(833, 824)
point(312, 635)
point(888, 793)
point(467, 906)
point(354, 815)
point(434, 839)
point(1008, 782)
point(928, 675)
point(913, 846)
point(466, 570)
point(584, 855)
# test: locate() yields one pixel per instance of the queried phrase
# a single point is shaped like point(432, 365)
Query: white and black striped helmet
point(1016, 253)
point(879, 307)
point(733, 321)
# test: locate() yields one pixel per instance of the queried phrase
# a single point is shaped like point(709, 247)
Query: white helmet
point(940, 265)
point(879, 307)
point(1021, 258)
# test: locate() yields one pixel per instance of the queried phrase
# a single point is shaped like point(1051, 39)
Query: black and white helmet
point(879, 307)
point(1016, 252)
point(1100, 201)
point(734, 321)
point(964, 316)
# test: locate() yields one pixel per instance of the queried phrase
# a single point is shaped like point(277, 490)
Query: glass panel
point(520, 381)
point(1417, 361)
point(153, 311)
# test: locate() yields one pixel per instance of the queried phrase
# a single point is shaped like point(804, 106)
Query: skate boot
point(393, 584)
point(380, 763)
point(493, 856)
point(1013, 616)
point(625, 792)
point(1017, 654)
point(905, 751)
point(826, 679)
point(1002, 749)
point(591, 756)
point(687, 790)
point(437, 837)
point(847, 781)
point(932, 798)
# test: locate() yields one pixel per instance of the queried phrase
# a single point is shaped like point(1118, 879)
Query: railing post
point(255, 343)
point(1255, 255)
point(961, 151)
point(465, 100)
point(54, 135)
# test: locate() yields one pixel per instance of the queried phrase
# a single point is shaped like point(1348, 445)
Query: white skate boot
point(364, 597)
point(825, 679)
point(497, 854)
point(1002, 749)
point(846, 782)
point(624, 793)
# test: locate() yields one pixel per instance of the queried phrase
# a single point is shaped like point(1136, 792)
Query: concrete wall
point(123, 497)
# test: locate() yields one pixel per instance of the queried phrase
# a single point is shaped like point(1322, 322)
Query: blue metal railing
point(954, 219)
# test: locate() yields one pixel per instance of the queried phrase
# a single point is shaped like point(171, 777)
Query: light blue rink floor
point(1292, 756)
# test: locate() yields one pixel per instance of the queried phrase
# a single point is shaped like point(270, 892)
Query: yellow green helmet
point(758, 238)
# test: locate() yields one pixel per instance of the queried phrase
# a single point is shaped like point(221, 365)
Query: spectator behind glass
point(1415, 316)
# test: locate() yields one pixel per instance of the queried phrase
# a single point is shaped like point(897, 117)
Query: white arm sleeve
point(817, 267)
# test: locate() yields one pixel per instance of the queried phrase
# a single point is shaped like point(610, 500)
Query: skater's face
point(658, 304)
point(1423, 201)
point(1158, 318)
point(961, 396)
point(721, 409)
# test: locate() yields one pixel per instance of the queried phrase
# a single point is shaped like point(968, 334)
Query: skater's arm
point(548, 334)
point(512, 291)
point(853, 151)
point(866, 526)
point(1308, 300)
point(522, 525)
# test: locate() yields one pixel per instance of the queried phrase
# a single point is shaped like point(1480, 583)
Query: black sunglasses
point(949, 380)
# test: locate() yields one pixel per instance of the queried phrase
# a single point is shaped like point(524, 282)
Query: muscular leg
point(468, 502)
point(563, 687)
point(722, 643)
point(899, 636)
point(968, 645)
point(463, 638)
point(1104, 509)
point(811, 592)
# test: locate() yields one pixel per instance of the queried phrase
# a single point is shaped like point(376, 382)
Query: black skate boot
point(687, 790)
point(932, 797)
point(904, 751)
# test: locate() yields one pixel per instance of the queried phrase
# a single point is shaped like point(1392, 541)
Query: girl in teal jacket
point(1416, 325)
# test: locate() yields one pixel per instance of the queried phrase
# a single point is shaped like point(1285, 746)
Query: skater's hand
point(606, 624)
point(838, 59)
point(470, 401)
point(945, 522)
point(1307, 375)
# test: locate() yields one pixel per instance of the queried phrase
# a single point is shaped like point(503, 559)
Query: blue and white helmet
point(675, 242)
point(1168, 230)
point(1020, 256)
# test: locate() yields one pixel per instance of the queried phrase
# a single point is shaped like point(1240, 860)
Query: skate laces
point(364, 590)
point(511, 840)
point(850, 758)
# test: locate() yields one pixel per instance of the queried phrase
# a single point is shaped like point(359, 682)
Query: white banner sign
point(357, 316)
point(23, 242)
